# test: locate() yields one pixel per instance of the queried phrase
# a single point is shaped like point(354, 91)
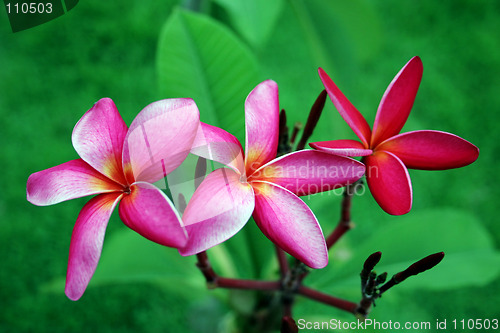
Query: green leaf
point(128, 257)
point(355, 24)
point(254, 20)
point(470, 256)
point(202, 59)
point(316, 33)
point(248, 255)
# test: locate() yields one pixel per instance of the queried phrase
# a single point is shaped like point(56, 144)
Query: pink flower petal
point(86, 242)
point(289, 223)
point(262, 122)
point(431, 150)
point(342, 147)
point(70, 180)
point(160, 138)
point(310, 171)
point(389, 182)
point(397, 102)
point(98, 139)
point(150, 213)
point(219, 208)
point(218, 145)
point(351, 115)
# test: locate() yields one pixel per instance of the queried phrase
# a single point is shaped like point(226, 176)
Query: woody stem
point(327, 299)
point(282, 261)
point(215, 281)
point(345, 223)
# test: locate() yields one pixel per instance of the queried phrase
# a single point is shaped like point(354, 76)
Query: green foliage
point(471, 260)
point(200, 58)
point(254, 20)
point(470, 255)
point(252, 253)
point(130, 258)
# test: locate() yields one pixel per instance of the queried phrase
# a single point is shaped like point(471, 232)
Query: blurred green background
point(216, 52)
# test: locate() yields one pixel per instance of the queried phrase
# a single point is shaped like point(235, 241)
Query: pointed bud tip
point(372, 260)
point(282, 123)
point(421, 266)
point(282, 117)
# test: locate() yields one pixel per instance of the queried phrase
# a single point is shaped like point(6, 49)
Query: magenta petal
point(218, 145)
point(342, 147)
point(397, 102)
point(70, 180)
point(86, 242)
point(262, 122)
point(431, 150)
point(389, 182)
point(310, 171)
point(150, 213)
point(160, 138)
point(219, 208)
point(351, 115)
point(98, 139)
point(289, 223)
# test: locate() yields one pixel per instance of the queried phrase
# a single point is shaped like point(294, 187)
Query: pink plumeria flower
point(260, 184)
point(387, 154)
point(119, 165)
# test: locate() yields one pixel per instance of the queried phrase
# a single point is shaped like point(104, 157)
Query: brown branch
point(229, 283)
point(282, 260)
point(206, 269)
point(364, 307)
point(345, 223)
point(328, 299)
point(287, 309)
point(215, 281)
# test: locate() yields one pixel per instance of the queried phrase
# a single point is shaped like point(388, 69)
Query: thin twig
point(215, 281)
point(206, 268)
point(229, 283)
point(287, 309)
point(345, 223)
point(328, 299)
point(282, 260)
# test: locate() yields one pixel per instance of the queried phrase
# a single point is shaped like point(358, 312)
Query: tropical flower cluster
point(386, 153)
point(126, 167)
